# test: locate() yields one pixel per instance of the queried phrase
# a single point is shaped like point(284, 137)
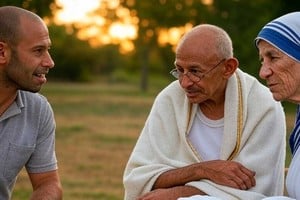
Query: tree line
point(76, 60)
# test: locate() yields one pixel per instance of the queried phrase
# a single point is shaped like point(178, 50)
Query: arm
point(228, 173)
point(46, 186)
point(171, 193)
point(42, 165)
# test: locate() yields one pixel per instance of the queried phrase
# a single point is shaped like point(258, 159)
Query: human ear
point(231, 65)
point(4, 53)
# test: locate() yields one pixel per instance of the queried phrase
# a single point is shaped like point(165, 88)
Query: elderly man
point(215, 131)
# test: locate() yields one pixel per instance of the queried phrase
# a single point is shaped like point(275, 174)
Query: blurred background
point(112, 57)
point(131, 40)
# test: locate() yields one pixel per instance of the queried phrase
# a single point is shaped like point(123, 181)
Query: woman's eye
point(273, 58)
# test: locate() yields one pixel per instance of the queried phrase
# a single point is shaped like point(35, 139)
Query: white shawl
point(254, 134)
point(293, 176)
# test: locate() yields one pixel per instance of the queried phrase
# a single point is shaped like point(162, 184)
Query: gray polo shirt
point(27, 136)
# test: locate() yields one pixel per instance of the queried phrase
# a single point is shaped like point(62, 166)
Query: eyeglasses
point(194, 75)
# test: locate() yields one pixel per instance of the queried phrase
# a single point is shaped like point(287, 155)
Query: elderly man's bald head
point(208, 38)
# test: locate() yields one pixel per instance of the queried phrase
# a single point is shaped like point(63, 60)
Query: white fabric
point(278, 198)
point(199, 197)
point(205, 197)
point(283, 33)
point(163, 143)
point(293, 177)
point(206, 136)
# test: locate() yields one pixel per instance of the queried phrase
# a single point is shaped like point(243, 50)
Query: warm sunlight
point(207, 2)
point(172, 35)
point(74, 10)
point(90, 18)
point(122, 31)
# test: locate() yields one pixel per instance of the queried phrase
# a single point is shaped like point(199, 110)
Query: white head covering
point(284, 34)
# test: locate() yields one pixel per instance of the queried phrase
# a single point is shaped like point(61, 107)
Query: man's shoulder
point(253, 82)
point(31, 95)
point(171, 92)
point(257, 91)
point(173, 88)
point(247, 76)
point(31, 99)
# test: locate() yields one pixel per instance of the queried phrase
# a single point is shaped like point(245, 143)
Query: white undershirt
point(206, 136)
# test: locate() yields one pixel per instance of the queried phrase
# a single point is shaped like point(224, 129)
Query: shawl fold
point(259, 144)
point(293, 176)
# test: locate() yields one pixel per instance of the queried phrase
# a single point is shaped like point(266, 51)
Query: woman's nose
point(265, 71)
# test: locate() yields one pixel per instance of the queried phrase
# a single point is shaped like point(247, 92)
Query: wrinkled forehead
point(265, 46)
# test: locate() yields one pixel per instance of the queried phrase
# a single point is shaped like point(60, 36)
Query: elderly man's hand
point(228, 173)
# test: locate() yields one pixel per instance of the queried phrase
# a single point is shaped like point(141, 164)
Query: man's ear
point(4, 53)
point(231, 65)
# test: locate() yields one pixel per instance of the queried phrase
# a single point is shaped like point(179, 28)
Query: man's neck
point(213, 111)
point(7, 97)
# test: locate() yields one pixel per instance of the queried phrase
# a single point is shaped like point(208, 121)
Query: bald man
point(27, 125)
point(215, 131)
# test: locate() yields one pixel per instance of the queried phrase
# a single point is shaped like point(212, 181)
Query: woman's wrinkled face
point(281, 72)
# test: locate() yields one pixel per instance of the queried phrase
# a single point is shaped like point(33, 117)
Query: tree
point(241, 18)
point(156, 16)
point(288, 6)
point(235, 16)
point(41, 8)
point(238, 18)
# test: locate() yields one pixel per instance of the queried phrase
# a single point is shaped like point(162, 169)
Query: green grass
point(97, 127)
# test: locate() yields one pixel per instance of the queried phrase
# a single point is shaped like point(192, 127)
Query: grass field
point(97, 127)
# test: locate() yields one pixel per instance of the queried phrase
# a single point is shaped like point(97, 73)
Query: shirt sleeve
point(43, 158)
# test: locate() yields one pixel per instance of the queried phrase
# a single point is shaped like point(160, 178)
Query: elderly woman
point(279, 50)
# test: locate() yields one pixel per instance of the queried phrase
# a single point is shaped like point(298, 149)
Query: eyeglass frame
point(175, 73)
